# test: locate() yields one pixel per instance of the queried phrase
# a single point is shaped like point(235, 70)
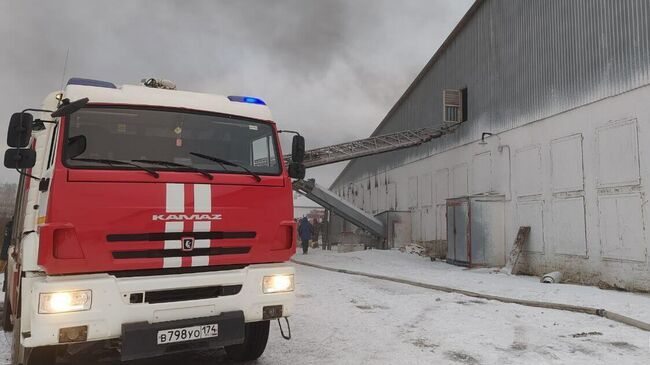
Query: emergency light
point(246, 99)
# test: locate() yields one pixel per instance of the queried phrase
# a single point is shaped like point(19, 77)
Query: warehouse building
point(547, 104)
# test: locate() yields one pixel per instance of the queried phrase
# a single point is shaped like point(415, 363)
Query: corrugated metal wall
point(522, 61)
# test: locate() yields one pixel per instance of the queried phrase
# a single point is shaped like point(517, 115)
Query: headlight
point(277, 284)
point(66, 301)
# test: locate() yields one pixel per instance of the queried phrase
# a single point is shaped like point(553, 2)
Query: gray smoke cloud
point(328, 68)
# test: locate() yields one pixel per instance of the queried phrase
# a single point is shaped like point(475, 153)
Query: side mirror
point(298, 149)
point(68, 108)
point(20, 130)
point(297, 171)
point(75, 146)
point(16, 158)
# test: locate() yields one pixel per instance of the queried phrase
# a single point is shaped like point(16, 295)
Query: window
point(50, 159)
point(263, 155)
point(125, 134)
point(454, 105)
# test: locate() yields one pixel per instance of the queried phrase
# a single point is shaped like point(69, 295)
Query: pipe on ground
point(530, 303)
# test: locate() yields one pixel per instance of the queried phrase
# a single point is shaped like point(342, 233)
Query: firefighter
point(305, 231)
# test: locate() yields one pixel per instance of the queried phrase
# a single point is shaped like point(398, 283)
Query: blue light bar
point(246, 99)
point(91, 82)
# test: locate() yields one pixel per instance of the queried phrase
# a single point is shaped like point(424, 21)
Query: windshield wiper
point(118, 162)
point(176, 164)
point(226, 162)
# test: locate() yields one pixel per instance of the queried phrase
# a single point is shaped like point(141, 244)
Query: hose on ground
point(530, 303)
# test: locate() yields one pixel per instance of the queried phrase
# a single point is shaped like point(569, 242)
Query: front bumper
point(111, 306)
point(139, 340)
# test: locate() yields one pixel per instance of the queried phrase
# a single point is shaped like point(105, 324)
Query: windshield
point(124, 134)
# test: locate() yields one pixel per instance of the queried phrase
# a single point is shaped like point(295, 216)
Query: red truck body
point(154, 219)
point(115, 220)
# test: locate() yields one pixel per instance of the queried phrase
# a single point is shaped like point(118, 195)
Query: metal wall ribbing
point(521, 61)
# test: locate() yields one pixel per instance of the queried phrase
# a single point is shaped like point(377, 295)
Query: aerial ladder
point(360, 148)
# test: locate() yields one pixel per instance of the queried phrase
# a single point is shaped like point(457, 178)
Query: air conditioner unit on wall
point(452, 108)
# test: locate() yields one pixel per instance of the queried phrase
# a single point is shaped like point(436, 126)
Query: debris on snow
point(349, 247)
point(414, 249)
point(585, 334)
point(554, 277)
point(517, 248)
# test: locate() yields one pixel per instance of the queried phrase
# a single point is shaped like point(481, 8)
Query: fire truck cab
point(150, 220)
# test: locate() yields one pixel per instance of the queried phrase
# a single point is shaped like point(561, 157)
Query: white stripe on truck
point(173, 227)
point(202, 198)
point(200, 260)
point(201, 226)
point(172, 262)
point(175, 203)
point(175, 197)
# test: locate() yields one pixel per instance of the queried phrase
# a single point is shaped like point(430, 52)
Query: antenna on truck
point(65, 69)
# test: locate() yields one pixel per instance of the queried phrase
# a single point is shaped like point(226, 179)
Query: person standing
point(305, 232)
point(316, 231)
point(324, 228)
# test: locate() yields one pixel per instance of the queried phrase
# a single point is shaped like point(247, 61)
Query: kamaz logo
point(187, 217)
point(188, 243)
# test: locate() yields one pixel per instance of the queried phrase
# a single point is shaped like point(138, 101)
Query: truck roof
point(107, 93)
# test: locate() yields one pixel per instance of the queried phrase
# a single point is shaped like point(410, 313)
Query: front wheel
point(31, 356)
point(41, 356)
point(7, 326)
point(256, 334)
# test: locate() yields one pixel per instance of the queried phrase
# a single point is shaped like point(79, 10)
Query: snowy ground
point(345, 319)
point(488, 281)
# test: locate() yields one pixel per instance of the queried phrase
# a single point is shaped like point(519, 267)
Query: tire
point(31, 356)
point(16, 348)
point(41, 356)
point(256, 334)
point(7, 326)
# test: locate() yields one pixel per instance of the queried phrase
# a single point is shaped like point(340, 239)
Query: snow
point(348, 319)
point(5, 348)
point(486, 281)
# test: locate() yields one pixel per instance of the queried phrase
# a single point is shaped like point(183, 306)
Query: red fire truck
point(148, 219)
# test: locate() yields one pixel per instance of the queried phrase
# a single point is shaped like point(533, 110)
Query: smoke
point(328, 68)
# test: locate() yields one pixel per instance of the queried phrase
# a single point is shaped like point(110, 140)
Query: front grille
point(175, 270)
point(167, 236)
point(179, 295)
point(152, 254)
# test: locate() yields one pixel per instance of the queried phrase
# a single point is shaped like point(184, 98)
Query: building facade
point(311, 212)
point(563, 90)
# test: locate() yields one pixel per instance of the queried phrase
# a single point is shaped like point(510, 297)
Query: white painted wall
point(301, 211)
point(579, 179)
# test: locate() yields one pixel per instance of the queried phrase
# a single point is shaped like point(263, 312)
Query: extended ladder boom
point(372, 145)
point(355, 149)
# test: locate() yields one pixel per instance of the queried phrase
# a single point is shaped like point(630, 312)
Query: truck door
point(13, 260)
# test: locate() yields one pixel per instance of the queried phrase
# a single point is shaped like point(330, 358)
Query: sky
point(330, 69)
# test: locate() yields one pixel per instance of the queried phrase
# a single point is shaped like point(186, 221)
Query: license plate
point(187, 333)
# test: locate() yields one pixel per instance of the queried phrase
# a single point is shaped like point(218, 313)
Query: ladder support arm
point(342, 208)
